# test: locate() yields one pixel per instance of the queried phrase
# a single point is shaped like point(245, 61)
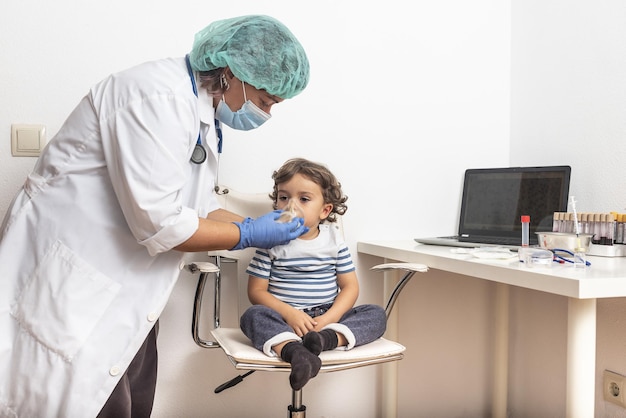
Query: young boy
point(303, 293)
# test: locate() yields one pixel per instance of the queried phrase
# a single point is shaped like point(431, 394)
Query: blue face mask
point(246, 118)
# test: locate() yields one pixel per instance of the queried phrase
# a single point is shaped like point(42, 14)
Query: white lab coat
point(85, 269)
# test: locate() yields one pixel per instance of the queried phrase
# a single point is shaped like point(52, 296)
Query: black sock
point(316, 342)
point(304, 364)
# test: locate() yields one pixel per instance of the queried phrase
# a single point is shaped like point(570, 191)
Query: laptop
point(494, 199)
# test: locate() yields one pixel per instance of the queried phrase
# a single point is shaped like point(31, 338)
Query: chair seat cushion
point(244, 356)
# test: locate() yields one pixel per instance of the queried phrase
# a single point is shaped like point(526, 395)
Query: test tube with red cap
point(525, 230)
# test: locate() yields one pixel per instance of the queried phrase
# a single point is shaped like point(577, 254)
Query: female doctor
point(93, 243)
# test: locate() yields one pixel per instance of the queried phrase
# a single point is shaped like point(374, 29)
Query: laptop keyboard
point(495, 241)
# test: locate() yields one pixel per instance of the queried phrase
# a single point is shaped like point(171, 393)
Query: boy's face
point(307, 198)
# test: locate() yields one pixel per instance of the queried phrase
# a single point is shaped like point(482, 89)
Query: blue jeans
point(260, 323)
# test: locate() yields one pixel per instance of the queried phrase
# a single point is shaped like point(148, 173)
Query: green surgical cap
point(259, 50)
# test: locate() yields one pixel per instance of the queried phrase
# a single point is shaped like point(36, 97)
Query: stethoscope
point(561, 259)
point(199, 154)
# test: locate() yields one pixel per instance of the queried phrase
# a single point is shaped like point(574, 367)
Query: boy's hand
point(300, 322)
point(321, 322)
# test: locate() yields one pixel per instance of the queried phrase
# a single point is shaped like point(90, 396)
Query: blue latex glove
point(265, 232)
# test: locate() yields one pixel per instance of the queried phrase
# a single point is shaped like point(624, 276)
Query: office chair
point(237, 346)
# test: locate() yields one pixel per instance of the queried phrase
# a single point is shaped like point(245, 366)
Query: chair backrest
point(244, 204)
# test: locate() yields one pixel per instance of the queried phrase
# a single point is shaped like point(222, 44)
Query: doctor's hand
point(265, 232)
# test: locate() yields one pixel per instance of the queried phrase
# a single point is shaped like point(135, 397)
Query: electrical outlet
point(614, 387)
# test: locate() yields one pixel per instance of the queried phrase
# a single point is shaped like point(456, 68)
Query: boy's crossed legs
point(270, 333)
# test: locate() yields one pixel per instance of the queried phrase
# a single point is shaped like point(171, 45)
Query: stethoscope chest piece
point(199, 154)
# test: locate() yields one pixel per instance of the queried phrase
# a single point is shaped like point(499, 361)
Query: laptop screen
point(494, 199)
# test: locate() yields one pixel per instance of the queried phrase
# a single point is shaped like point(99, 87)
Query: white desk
point(605, 278)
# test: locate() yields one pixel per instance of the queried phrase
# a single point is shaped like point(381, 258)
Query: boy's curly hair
point(320, 175)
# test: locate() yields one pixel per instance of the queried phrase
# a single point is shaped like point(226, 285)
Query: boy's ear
point(326, 209)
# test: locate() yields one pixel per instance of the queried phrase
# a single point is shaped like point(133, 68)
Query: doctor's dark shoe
point(304, 364)
point(316, 342)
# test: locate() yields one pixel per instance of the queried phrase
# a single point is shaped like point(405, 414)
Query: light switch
point(27, 140)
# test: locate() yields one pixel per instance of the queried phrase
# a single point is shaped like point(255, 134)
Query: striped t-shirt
point(303, 273)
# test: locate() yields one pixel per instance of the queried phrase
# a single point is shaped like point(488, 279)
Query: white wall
point(568, 106)
point(403, 98)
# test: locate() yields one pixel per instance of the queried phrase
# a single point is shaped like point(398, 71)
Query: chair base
point(296, 409)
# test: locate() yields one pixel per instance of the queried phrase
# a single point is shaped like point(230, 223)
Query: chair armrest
point(416, 267)
point(202, 267)
point(410, 269)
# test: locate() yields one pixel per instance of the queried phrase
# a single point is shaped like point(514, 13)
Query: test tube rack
point(608, 230)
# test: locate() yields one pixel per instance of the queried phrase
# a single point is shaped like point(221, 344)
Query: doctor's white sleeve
point(146, 143)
